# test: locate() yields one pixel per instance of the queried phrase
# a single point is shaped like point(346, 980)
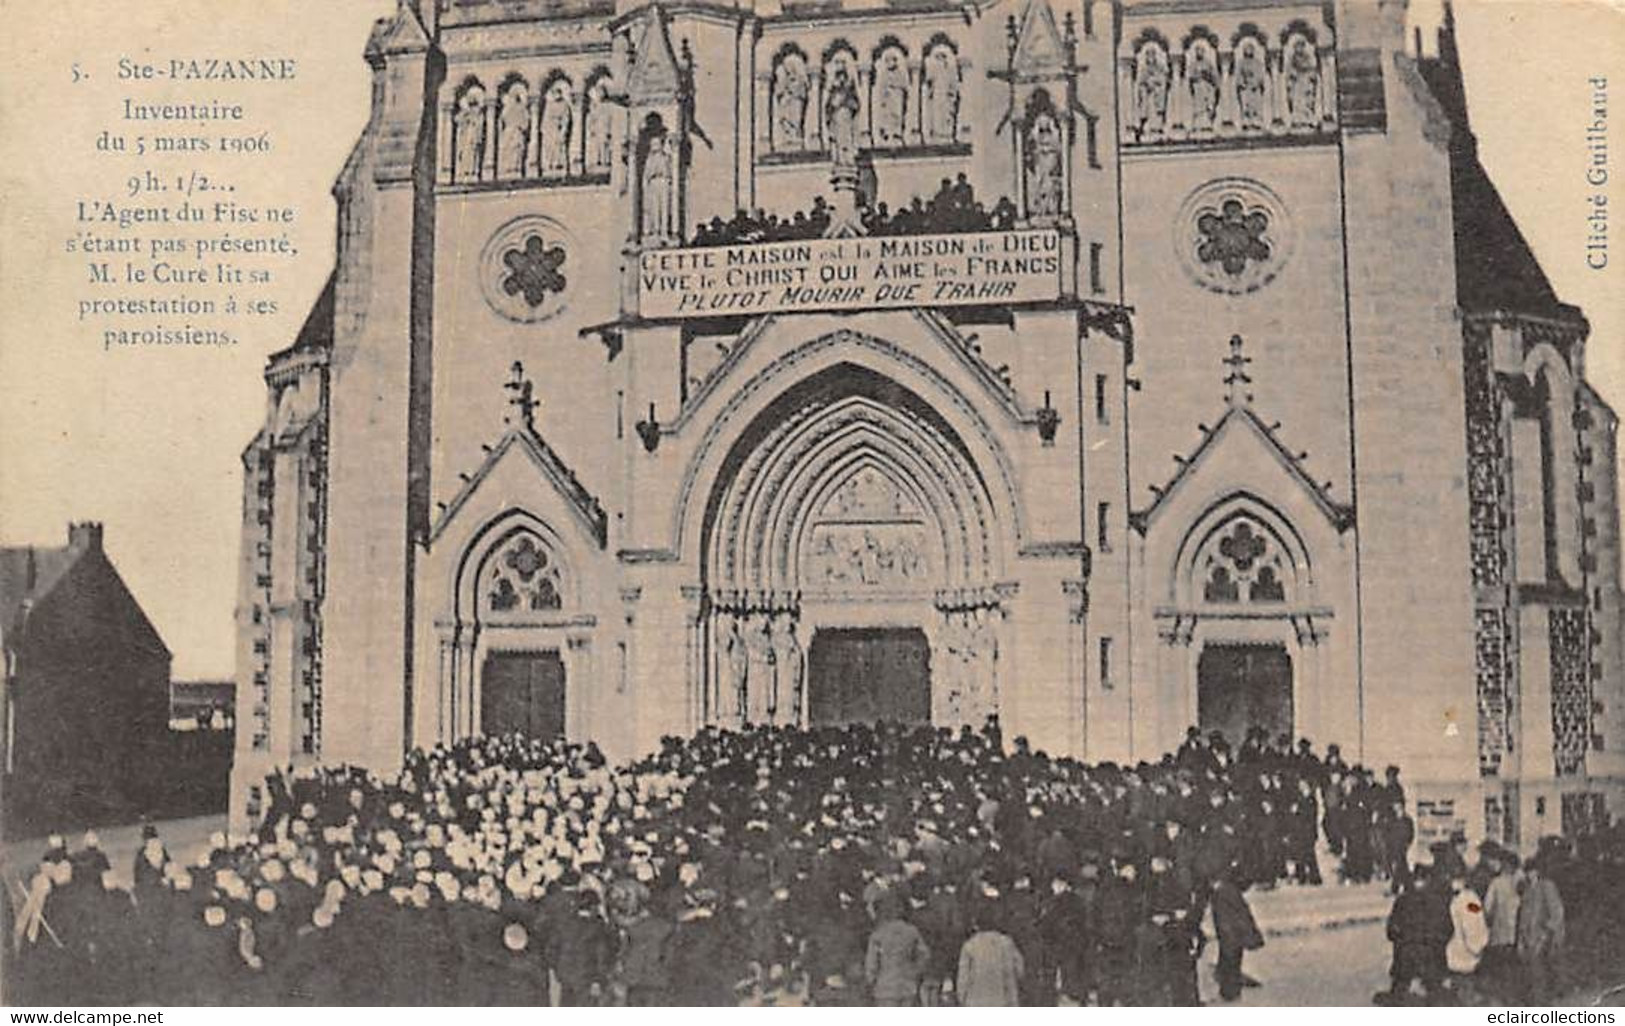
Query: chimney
point(86, 535)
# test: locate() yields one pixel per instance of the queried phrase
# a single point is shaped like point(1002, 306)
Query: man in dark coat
point(1237, 932)
point(1419, 928)
point(583, 953)
point(703, 968)
point(1398, 831)
point(1067, 928)
point(646, 958)
point(1122, 908)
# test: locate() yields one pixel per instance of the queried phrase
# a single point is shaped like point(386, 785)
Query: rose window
point(534, 270)
point(1233, 237)
point(522, 269)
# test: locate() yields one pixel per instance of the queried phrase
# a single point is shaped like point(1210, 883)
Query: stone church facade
point(1107, 367)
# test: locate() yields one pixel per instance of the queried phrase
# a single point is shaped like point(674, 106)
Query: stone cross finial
point(1237, 379)
point(522, 399)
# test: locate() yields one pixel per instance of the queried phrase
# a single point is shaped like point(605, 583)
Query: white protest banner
point(966, 269)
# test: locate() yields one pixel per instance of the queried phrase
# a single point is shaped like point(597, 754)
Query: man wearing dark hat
point(1122, 910)
point(1237, 933)
point(646, 953)
point(583, 953)
point(1541, 930)
point(1067, 927)
point(1420, 929)
point(703, 969)
point(897, 955)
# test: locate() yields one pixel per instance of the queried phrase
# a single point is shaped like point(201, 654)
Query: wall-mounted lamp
point(1049, 419)
point(649, 430)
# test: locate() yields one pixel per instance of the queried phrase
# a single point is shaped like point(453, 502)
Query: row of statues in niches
point(519, 130)
point(759, 669)
point(1201, 89)
point(893, 99)
point(558, 128)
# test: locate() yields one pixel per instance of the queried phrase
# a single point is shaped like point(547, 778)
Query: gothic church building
point(1110, 367)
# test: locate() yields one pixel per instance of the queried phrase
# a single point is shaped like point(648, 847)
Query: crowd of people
point(1507, 930)
point(954, 208)
point(831, 866)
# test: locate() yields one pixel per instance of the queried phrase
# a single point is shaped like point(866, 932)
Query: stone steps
point(1290, 909)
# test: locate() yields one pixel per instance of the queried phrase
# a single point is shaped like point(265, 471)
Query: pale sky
point(148, 440)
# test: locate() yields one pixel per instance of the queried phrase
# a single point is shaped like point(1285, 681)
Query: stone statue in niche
point(891, 99)
point(1044, 166)
point(557, 121)
point(790, 89)
point(657, 182)
point(1252, 83)
point(941, 96)
point(1151, 90)
point(759, 697)
point(841, 116)
point(1203, 76)
point(600, 133)
point(513, 135)
point(735, 672)
point(789, 671)
point(1303, 84)
point(470, 136)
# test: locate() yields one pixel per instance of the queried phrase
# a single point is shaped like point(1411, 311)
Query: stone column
point(444, 142)
point(912, 132)
point(533, 135)
point(866, 135)
point(578, 133)
point(1127, 126)
point(962, 117)
point(488, 156)
point(468, 680)
point(1228, 119)
point(764, 113)
point(695, 626)
point(579, 682)
point(1280, 117)
point(813, 122)
point(1327, 99)
point(445, 679)
point(1179, 95)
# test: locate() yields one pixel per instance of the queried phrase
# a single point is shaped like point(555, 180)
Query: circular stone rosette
point(1233, 236)
point(527, 267)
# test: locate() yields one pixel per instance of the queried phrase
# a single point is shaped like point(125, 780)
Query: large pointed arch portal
point(848, 521)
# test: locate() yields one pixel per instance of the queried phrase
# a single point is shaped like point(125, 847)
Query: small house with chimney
point(84, 697)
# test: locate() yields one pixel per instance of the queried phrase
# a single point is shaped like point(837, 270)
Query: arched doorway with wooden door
point(851, 557)
point(1241, 645)
point(1244, 686)
point(517, 656)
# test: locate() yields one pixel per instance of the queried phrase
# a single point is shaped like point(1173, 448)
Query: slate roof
point(28, 574)
point(1496, 270)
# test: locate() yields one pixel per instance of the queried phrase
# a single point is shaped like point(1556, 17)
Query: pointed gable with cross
point(523, 469)
point(1240, 453)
